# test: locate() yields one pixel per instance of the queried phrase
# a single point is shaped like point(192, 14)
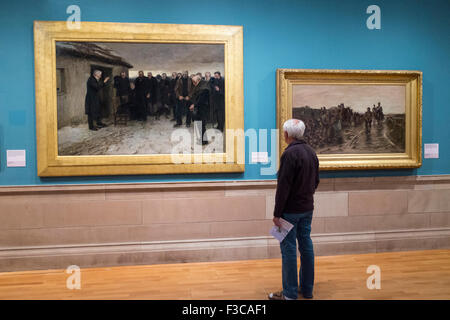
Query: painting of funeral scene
point(352, 119)
point(124, 98)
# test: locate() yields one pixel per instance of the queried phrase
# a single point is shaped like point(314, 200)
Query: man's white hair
point(97, 72)
point(294, 128)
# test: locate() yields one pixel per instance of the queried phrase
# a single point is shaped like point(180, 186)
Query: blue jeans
point(301, 231)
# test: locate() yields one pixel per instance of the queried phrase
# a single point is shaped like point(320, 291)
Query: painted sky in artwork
point(170, 57)
point(359, 97)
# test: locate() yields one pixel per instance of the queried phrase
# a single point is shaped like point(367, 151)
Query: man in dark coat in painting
point(172, 94)
point(141, 94)
point(200, 103)
point(210, 81)
point(92, 101)
point(218, 93)
point(164, 95)
point(182, 91)
point(122, 85)
point(152, 89)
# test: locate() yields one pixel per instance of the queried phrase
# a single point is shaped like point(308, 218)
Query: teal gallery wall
point(326, 34)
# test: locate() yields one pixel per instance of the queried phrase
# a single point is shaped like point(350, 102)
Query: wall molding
point(213, 185)
point(217, 243)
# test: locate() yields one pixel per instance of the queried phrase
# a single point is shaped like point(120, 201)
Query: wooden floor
point(404, 275)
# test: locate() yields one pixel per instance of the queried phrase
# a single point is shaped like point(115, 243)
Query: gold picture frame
point(303, 85)
point(49, 163)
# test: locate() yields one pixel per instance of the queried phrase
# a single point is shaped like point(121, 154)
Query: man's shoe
point(188, 125)
point(278, 296)
point(176, 125)
point(306, 296)
point(93, 129)
point(101, 125)
point(205, 142)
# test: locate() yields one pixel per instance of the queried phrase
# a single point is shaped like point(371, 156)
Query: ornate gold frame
point(49, 163)
point(412, 158)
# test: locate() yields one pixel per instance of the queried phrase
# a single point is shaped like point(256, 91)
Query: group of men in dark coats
point(160, 96)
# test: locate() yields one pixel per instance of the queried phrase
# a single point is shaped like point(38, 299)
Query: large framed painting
point(355, 119)
point(125, 98)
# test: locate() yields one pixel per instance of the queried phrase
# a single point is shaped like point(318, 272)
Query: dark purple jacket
point(298, 178)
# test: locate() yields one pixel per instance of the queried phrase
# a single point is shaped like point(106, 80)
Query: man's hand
point(148, 95)
point(217, 88)
point(191, 107)
point(276, 221)
point(106, 79)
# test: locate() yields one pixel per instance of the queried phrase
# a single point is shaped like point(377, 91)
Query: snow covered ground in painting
point(151, 137)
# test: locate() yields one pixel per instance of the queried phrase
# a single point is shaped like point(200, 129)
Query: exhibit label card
point(15, 158)
point(260, 157)
point(431, 150)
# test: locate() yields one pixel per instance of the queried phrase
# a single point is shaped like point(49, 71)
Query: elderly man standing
point(298, 178)
point(92, 100)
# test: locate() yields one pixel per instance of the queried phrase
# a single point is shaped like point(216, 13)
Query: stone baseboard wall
point(47, 227)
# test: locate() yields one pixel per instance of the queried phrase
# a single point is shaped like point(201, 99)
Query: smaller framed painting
point(355, 119)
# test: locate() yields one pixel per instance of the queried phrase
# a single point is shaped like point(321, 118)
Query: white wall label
point(261, 157)
point(431, 150)
point(15, 158)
